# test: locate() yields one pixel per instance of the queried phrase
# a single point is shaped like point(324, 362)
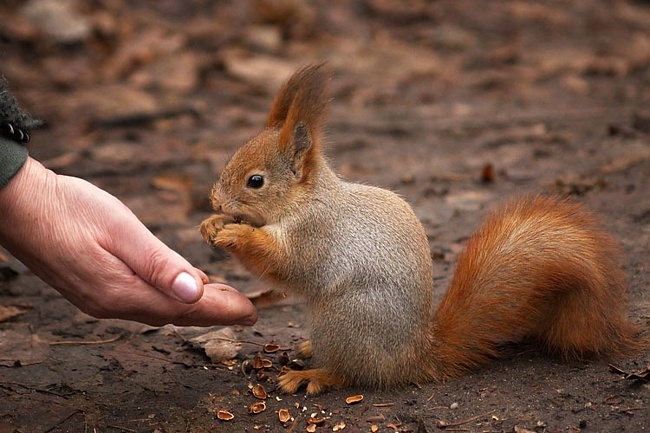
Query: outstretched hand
point(91, 248)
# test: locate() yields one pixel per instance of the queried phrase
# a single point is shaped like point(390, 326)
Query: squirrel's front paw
point(232, 235)
point(210, 227)
point(317, 380)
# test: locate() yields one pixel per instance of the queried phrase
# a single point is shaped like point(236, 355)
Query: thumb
point(156, 263)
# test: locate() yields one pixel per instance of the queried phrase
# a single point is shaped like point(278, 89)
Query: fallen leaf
point(641, 375)
point(264, 72)
point(219, 346)
point(8, 312)
point(20, 346)
point(522, 430)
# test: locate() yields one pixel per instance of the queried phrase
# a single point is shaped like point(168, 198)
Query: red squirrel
point(539, 268)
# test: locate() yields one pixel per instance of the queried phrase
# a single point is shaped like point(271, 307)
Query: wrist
point(19, 199)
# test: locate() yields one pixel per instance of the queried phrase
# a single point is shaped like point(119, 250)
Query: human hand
point(91, 248)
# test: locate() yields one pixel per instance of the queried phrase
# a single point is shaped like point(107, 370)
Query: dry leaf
point(8, 312)
point(522, 430)
point(20, 346)
point(264, 72)
point(173, 182)
point(642, 375)
point(219, 346)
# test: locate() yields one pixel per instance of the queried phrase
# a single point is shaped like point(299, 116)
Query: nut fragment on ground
point(284, 415)
point(224, 415)
point(258, 407)
point(271, 348)
point(259, 392)
point(354, 399)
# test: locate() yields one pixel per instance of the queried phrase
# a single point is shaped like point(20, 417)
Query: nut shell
point(259, 392)
point(353, 399)
point(224, 415)
point(256, 408)
point(284, 415)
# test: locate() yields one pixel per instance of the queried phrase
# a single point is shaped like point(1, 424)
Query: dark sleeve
point(15, 126)
point(12, 157)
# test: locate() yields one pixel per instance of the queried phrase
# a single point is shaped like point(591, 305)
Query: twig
point(444, 424)
point(122, 428)
point(630, 409)
point(294, 424)
point(61, 343)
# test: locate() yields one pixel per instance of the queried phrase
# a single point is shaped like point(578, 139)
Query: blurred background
point(453, 103)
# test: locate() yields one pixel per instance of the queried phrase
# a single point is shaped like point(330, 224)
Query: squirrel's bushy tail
point(540, 268)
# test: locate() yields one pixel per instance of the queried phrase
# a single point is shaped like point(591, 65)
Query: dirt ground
point(454, 104)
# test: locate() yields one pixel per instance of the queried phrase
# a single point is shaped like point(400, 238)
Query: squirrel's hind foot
point(318, 380)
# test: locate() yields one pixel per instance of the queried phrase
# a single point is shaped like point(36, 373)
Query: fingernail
point(184, 287)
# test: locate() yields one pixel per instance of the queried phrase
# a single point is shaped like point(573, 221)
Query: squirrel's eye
point(255, 181)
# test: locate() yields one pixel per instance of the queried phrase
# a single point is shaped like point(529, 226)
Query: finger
point(155, 262)
point(220, 305)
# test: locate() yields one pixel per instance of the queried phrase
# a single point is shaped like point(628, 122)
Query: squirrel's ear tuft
point(303, 95)
point(299, 110)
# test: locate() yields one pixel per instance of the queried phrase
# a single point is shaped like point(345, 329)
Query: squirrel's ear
point(300, 110)
point(309, 81)
point(301, 149)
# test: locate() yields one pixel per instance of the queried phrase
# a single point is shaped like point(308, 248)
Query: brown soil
point(454, 104)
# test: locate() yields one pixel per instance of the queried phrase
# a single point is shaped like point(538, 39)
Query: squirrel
point(540, 268)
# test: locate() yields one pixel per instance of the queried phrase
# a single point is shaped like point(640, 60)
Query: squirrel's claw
point(232, 235)
point(210, 227)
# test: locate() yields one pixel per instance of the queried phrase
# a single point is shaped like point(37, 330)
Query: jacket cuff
point(12, 159)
